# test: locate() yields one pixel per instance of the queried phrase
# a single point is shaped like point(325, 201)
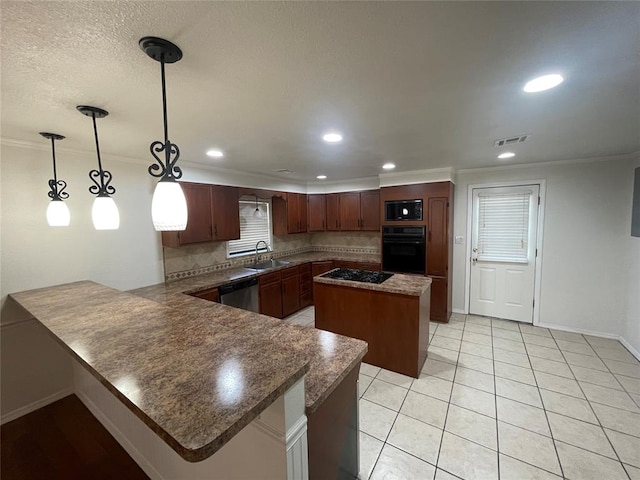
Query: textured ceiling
point(422, 84)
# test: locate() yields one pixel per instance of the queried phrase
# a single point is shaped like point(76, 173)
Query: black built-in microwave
point(403, 210)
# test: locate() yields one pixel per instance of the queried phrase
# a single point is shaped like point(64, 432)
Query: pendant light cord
point(53, 151)
point(95, 134)
point(164, 108)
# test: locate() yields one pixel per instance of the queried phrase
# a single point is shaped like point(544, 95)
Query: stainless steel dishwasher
point(242, 294)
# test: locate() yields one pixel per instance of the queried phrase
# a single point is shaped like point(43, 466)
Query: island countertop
point(164, 357)
point(404, 284)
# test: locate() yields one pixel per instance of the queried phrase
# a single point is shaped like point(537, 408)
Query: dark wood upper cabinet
point(333, 211)
point(214, 215)
point(370, 210)
point(350, 211)
point(437, 238)
point(199, 208)
point(317, 213)
point(225, 213)
point(290, 214)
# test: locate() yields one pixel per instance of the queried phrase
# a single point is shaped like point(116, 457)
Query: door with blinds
point(503, 252)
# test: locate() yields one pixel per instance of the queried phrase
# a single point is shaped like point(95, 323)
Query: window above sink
point(253, 228)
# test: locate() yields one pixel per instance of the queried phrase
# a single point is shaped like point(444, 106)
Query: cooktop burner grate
point(364, 276)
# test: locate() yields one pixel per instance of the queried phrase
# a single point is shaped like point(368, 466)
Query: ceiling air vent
point(511, 140)
point(285, 170)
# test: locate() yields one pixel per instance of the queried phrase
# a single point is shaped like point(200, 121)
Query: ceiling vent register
point(511, 140)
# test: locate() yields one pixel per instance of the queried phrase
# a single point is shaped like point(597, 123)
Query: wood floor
point(63, 441)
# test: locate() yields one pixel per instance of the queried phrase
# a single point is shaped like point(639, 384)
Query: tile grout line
point(598, 418)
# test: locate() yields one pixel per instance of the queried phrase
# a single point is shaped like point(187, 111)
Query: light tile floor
point(502, 400)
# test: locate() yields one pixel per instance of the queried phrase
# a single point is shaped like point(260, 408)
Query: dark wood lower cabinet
point(306, 286)
point(333, 433)
point(318, 268)
point(290, 294)
point(395, 326)
point(440, 310)
point(271, 294)
point(210, 294)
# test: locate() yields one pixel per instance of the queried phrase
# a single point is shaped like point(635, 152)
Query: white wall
point(587, 252)
point(35, 255)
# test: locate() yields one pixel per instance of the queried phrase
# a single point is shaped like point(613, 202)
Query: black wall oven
point(403, 249)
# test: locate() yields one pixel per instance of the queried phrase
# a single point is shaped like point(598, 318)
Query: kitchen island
point(211, 381)
point(391, 316)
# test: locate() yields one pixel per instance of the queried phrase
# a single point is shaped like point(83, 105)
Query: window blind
point(503, 227)
point(252, 229)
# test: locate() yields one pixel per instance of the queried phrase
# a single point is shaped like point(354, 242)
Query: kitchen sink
point(268, 264)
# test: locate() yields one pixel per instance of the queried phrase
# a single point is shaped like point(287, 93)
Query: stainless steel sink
point(268, 264)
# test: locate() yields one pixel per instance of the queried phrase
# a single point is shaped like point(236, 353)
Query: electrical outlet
point(459, 240)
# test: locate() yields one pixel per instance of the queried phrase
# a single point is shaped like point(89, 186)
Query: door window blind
point(503, 227)
point(252, 229)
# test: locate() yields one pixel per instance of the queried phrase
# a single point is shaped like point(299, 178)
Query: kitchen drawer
point(270, 278)
point(305, 285)
point(290, 272)
point(306, 299)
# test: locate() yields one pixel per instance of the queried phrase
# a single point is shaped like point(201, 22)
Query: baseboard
point(120, 437)
point(456, 310)
point(593, 333)
point(629, 347)
point(33, 406)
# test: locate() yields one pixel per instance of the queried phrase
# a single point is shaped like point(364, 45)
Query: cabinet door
point(306, 284)
point(317, 213)
point(302, 212)
point(212, 295)
point(199, 206)
point(439, 304)
point(293, 215)
point(333, 211)
point(271, 299)
point(437, 248)
point(226, 213)
point(318, 268)
point(290, 295)
point(350, 211)
point(370, 210)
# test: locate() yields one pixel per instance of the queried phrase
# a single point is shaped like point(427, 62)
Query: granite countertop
point(161, 351)
point(412, 285)
point(193, 380)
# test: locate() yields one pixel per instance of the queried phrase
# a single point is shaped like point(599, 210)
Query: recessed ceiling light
point(543, 83)
point(389, 166)
point(321, 177)
point(215, 153)
point(332, 137)
point(506, 155)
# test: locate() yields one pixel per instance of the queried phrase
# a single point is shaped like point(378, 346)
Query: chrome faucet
point(257, 244)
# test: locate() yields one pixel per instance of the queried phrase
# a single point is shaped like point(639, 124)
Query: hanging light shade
point(257, 213)
point(104, 213)
point(169, 205)
point(57, 212)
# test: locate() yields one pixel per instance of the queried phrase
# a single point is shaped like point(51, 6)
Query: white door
point(503, 252)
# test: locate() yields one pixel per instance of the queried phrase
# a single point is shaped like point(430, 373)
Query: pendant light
point(104, 212)
point(57, 212)
point(257, 213)
point(168, 206)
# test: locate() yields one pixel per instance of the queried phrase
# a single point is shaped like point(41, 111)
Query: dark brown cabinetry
point(225, 212)
point(438, 219)
point(317, 213)
point(333, 211)
point(210, 294)
point(290, 291)
point(360, 211)
point(290, 214)
point(306, 286)
point(318, 268)
point(270, 287)
point(214, 215)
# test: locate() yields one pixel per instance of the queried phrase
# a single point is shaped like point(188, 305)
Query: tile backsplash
point(203, 258)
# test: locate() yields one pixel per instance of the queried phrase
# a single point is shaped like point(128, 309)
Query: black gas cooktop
point(364, 276)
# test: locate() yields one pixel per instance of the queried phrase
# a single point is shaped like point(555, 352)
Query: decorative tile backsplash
point(202, 258)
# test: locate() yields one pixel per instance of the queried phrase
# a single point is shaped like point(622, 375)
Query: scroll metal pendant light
point(169, 205)
point(104, 212)
point(57, 212)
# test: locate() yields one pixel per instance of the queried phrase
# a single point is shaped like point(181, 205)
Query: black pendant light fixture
point(57, 212)
point(104, 212)
point(169, 206)
point(257, 213)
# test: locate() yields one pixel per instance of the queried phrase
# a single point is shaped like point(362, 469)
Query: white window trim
point(265, 206)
